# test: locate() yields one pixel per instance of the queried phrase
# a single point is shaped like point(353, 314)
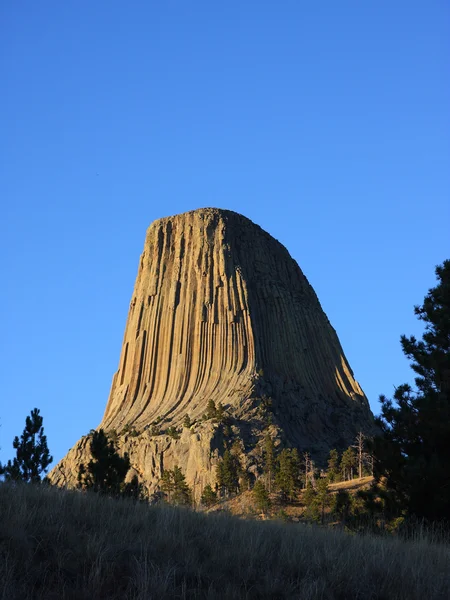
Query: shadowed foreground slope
point(57, 544)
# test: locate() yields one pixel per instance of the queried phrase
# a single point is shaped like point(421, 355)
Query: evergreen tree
point(209, 496)
point(173, 485)
point(411, 456)
point(269, 461)
point(211, 410)
point(220, 412)
point(182, 493)
point(106, 471)
point(342, 505)
point(317, 500)
point(32, 453)
point(187, 422)
point(323, 497)
point(228, 470)
point(173, 432)
point(261, 496)
point(348, 463)
point(167, 484)
point(333, 466)
point(287, 475)
point(309, 500)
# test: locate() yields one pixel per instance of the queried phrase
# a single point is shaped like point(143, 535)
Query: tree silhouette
point(333, 466)
point(411, 456)
point(32, 453)
point(269, 461)
point(173, 485)
point(287, 475)
point(209, 496)
point(261, 496)
point(106, 471)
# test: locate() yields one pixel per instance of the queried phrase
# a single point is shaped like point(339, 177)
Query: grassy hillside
point(243, 504)
point(68, 545)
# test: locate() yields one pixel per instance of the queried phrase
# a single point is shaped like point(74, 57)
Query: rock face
point(220, 311)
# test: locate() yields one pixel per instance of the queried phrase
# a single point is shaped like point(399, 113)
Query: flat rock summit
point(220, 311)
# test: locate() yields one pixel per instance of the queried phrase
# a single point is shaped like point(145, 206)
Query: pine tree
point(269, 461)
point(32, 453)
point(106, 471)
point(342, 505)
point(173, 432)
point(182, 493)
point(333, 466)
point(317, 500)
point(187, 422)
point(348, 463)
point(323, 497)
point(167, 484)
point(220, 412)
point(209, 496)
point(228, 470)
point(287, 475)
point(261, 496)
point(173, 485)
point(309, 500)
point(211, 410)
point(411, 456)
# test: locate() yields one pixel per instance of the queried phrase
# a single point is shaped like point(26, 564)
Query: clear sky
point(327, 123)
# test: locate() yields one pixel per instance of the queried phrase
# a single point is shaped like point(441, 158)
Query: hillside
point(66, 545)
point(243, 505)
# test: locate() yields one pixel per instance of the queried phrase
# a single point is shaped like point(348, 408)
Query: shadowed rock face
point(221, 311)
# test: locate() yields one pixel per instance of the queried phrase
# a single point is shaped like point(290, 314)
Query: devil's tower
point(220, 311)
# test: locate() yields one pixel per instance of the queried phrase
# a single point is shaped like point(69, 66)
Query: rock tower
point(220, 311)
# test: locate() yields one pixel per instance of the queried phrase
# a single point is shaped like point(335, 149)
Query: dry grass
point(67, 545)
point(353, 484)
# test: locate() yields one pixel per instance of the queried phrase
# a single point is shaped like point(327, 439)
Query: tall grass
point(68, 545)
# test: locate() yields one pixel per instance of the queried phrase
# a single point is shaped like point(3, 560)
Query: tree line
point(409, 458)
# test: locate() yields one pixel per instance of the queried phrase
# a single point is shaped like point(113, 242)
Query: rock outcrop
point(220, 311)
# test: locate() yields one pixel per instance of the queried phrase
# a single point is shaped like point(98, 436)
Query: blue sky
point(326, 123)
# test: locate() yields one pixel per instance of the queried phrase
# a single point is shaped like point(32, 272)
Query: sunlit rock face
point(220, 311)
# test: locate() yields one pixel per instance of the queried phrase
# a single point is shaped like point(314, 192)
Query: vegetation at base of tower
point(412, 454)
point(266, 410)
point(174, 487)
point(228, 471)
point(173, 432)
point(216, 413)
point(261, 496)
point(113, 435)
point(287, 476)
point(209, 496)
point(187, 422)
point(269, 461)
point(333, 466)
point(32, 454)
point(155, 429)
point(129, 430)
point(348, 464)
point(105, 473)
point(317, 500)
point(58, 543)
